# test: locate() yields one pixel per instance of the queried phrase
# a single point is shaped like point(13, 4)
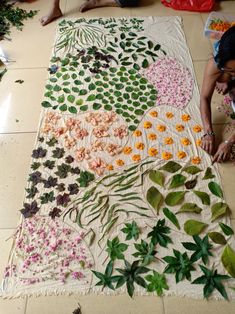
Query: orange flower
point(152, 136)
point(169, 115)
point(120, 162)
point(137, 133)
point(181, 154)
point(197, 128)
point(185, 117)
point(161, 128)
point(153, 114)
point(168, 141)
point(147, 124)
point(136, 158)
point(185, 141)
point(198, 142)
point(110, 167)
point(139, 145)
point(166, 155)
point(196, 160)
point(127, 150)
point(179, 127)
point(152, 151)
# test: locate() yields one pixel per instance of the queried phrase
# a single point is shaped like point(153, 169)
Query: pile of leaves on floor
point(11, 15)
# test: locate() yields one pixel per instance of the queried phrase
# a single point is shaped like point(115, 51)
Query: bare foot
point(53, 15)
point(222, 88)
point(91, 4)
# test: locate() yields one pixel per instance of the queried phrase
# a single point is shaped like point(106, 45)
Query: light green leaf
point(208, 174)
point(217, 237)
point(191, 208)
point(71, 98)
point(174, 198)
point(194, 227)
point(219, 210)
point(226, 229)
point(171, 166)
point(215, 189)
point(154, 198)
point(157, 177)
point(204, 197)
point(172, 217)
point(79, 102)
point(177, 180)
point(228, 260)
point(192, 169)
point(61, 99)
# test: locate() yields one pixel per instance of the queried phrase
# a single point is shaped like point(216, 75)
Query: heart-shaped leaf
point(157, 177)
point(194, 227)
point(204, 197)
point(174, 198)
point(217, 237)
point(172, 217)
point(208, 174)
point(177, 180)
point(215, 189)
point(219, 210)
point(192, 169)
point(154, 198)
point(226, 229)
point(171, 166)
point(228, 260)
point(191, 208)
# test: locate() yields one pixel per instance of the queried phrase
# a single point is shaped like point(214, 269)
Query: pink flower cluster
point(48, 250)
point(105, 118)
point(173, 81)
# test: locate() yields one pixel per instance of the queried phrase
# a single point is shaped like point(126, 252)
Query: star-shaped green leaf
point(201, 247)
point(211, 280)
point(132, 231)
point(180, 264)
point(115, 249)
point(157, 283)
point(106, 280)
point(159, 234)
point(145, 252)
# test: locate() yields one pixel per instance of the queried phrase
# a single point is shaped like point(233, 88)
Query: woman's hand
point(208, 143)
point(223, 152)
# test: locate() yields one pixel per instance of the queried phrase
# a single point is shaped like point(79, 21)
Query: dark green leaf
point(145, 252)
point(172, 217)
point(154, 198)
point(217, 237)
point(204, 197)
point(159, 234)
point(171, 166)
point(115, 249)
point(219, 210)
point(177, 180)
point(174, 198)
point(226, 229)
point(215, 189)
point(190, 207)
point(208, 174)
point(132, 231)
point(192, 169)
point(201, 247)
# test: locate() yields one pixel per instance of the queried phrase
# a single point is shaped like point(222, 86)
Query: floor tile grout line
point(8, 228)
point(26, 304)
point(31, 68)
point(16, 133)
point(163, 306)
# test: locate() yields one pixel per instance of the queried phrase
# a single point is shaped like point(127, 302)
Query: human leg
point(91, 4)
point(54, 13)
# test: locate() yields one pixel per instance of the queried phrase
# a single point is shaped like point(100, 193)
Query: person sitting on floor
point(55, 11)
point(219, 71)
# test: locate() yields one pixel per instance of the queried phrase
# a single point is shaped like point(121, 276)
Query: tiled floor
point(19, 116)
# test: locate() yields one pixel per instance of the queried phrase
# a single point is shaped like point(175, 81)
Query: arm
point(211, 75)
point(224, 149)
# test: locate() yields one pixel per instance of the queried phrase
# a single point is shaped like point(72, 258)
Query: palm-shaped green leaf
point(157, 283)
point(115, 249)
point(180, 264)
point(159, 234)
point(145, 251)
point(106, 279)
point(201, 247)
point(132, 231)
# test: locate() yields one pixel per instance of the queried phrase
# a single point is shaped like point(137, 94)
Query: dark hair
point(226, 50)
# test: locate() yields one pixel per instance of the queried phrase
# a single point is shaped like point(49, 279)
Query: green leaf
point(215, 189)
point(71, 98)
point(85, 178)
point(201, 247)
point(192, 169)
point(211, 280)
point(159, 234)
point(177, 180)
point(204, 197)
point(174, 198)
point(46, 104)
point(64, 107)
point(106, 280)
point(47, 197)
point(145, 63)
point(194, 227)
point(190, 207)
point(146, 252)
point(217, 238)
point(171, 166)
point(226, 229)
point(61, 99)
point(154, 198)
point(208, 174)
point(219, 210)
point(91, 97)
point(150, 44)
point(228, 260)
point(132, 231)
point(191, 184)
point(180, 264)
point(157, 283)
point(73, 109)
point(115, 249)
point(157, 177)
point(172, 217)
